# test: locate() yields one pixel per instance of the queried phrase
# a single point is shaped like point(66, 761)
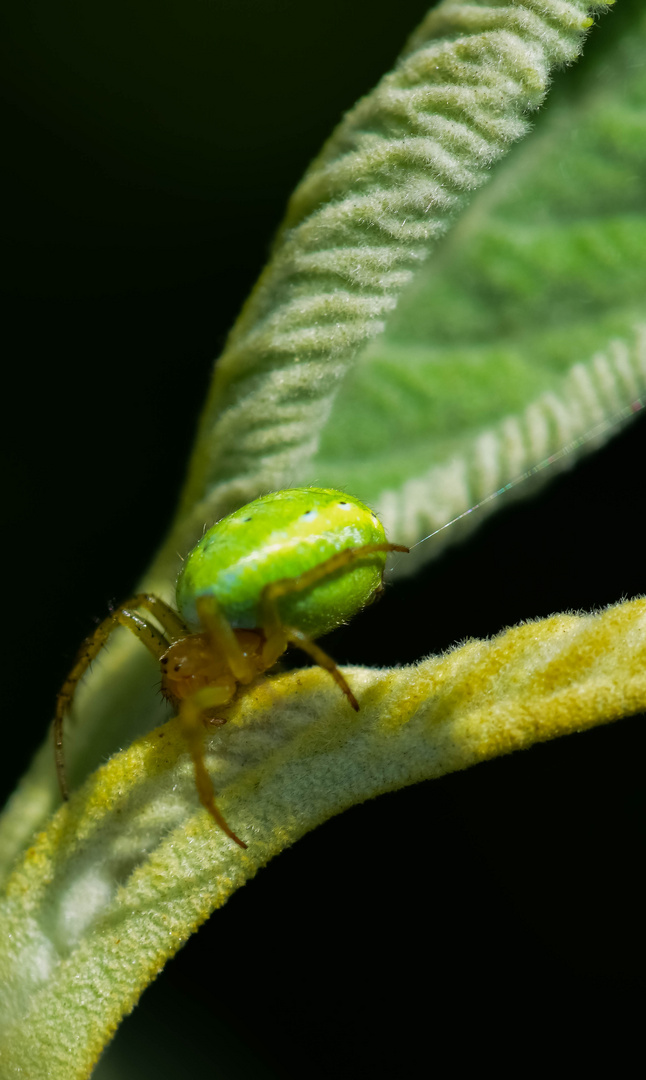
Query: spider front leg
point(125, 615)
point(202, 671)
point(191, 718)
point(223, 640)
point(279, 636)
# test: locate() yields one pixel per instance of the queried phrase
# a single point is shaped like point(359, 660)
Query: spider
point(282, 570)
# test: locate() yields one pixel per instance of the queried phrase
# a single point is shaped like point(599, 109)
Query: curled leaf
point(370, 209)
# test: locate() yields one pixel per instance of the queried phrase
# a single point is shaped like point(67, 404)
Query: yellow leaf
point(132, 865)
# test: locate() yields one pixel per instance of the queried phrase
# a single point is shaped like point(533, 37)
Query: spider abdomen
point(279, 536)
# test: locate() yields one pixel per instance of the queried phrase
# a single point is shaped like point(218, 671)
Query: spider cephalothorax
point(192, 663)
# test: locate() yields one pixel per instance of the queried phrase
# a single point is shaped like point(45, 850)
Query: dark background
point(149, 150)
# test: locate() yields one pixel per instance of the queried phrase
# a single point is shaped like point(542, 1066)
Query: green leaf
point(524, 331)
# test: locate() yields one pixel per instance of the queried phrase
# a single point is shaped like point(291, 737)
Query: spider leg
point(320, 657)
point(279, 636)
point(223, 640)
point(125, 615)
point(174, 628)
point(191, 717)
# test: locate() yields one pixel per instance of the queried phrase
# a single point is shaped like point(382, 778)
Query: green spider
point(281, 571)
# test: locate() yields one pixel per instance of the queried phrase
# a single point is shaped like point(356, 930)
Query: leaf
point(524, 331)
point(364, 219)
point(132, 865)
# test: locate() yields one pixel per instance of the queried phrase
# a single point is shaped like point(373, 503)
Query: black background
point(149, 150)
